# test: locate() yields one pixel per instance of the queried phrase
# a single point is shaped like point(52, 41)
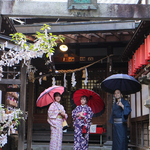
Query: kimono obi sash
point(117, 120)
point(59, 116)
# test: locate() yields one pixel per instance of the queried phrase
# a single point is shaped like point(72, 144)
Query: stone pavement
point(65, 146)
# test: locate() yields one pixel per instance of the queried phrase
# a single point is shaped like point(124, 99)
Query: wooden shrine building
point(137, 54)
point(103, 47)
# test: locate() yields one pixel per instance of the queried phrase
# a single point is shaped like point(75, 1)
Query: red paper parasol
point(46, 97)
point(94, 101)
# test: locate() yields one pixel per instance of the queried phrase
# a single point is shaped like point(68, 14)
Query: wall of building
point(139, 118)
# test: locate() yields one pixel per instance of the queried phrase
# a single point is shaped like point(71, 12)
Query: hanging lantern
point(143, 61)
point(134, 70)
point(138, 51)
point(147, 48)
point(63, 48)
point(136, 60)
point(142, 53)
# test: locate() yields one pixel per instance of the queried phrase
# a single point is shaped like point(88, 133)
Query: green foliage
point(18, 37)
point(46, 41)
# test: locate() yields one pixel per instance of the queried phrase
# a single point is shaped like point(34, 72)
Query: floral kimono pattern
point(81, 139)
point(56, 123)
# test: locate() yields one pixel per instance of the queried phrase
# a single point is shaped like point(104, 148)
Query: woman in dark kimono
point(120, 111)
point(82, 116)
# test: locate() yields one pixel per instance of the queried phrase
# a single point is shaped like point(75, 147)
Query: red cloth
point(99, 130)
point(84, 130)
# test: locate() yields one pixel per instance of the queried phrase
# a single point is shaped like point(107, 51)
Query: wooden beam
point(60, 10)
point(10, 81)
point(93, 34)
point(101, 35)
point(116, 35)
point(13, 90)
point(86, 36)
point(136, 40)
point(142, 71)
point(10, 24)
point(78, 27)
point(140, 118)
point(131, 32)
point(94, 39)
point(22, 102)
point(70, 36)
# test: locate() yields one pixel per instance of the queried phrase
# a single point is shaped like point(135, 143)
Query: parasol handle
point(53, 101)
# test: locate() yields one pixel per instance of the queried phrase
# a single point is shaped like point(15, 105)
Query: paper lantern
point(139, 65)
point(147, 48)
point(142, 60)
point(136, 60)
point(133, 64)
point(145, 41)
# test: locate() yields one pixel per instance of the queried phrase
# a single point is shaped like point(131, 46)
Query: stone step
point(65, 146)
point(67, 137)
point(45, 136)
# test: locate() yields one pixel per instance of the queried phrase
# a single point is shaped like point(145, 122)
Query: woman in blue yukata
point(120, 111)
point(82, 116)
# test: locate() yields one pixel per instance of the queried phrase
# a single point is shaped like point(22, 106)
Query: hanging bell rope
point(79, 69)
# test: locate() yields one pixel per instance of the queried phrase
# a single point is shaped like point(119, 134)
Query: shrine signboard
point(82, 4)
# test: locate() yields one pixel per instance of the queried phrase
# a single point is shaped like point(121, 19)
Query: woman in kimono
point(82, 116)
point(120, 111)
point(56, 115)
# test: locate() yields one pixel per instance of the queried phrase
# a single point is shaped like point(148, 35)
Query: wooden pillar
point(0, 23)
point(135, 105)
point(109, 96)
point(30, 115)
point(21, 128)
point(142, 127)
